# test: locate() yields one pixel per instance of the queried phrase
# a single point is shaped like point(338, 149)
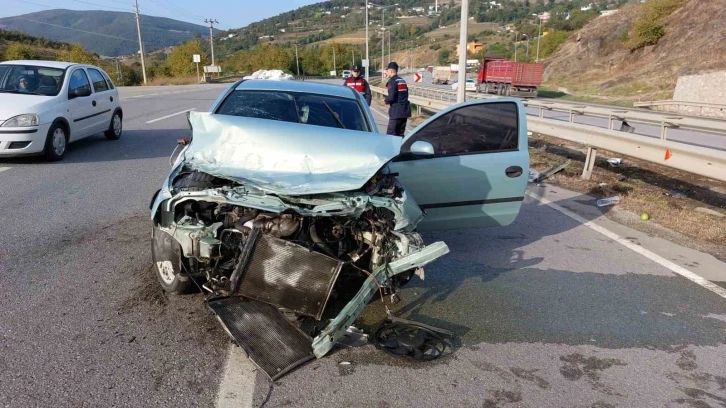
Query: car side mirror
point(421, 148)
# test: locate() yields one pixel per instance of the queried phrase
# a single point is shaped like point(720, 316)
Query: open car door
point(467, 166)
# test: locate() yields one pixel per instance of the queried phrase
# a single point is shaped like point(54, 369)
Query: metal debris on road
point(552, 170)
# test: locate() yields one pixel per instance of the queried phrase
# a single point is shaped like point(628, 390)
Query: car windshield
point(311, 109)
point(31, 79)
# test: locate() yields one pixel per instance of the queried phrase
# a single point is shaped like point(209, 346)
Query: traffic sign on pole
point(416, 77)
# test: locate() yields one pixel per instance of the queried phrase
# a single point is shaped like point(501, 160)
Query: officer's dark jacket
point(398, 98)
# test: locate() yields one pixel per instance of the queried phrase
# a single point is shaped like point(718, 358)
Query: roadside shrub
point(648, 27)
point(624, 37)
point(444, 56)
point(435, 46)
point(551, 42)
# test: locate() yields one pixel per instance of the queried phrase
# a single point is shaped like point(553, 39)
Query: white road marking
point(237, 388)
point(169, 116)
point(636, 248)
point(379, 112)
point(2, 169)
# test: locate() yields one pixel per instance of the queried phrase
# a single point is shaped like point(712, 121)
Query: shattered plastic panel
point(286, 158)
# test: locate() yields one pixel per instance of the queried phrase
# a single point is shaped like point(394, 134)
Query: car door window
point(99, 82)
point(108, 80)
point(78, 81)
point(471, 129)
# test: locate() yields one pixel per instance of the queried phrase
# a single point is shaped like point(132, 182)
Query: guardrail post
point(663, 131)
point(589, 163)
point(418, 110)
point(541, 112)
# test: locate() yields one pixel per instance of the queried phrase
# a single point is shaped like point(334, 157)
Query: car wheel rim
point(116, 125)
point(59, 141)
point(166, 271)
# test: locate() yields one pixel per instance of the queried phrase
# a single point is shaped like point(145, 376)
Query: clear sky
point(229, 13)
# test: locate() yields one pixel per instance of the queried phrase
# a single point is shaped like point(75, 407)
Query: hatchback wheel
point(56, 143)
point(115, 127)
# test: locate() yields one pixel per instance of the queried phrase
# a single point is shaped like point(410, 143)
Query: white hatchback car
point(470, 85)
point(44, 105)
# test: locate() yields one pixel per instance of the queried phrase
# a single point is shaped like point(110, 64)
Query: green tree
point(79, 55)
point(180, 61)
point(444, 56)
point(18, 51)
point(551, 42)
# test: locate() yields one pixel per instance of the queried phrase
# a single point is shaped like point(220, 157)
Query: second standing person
point(358, 83)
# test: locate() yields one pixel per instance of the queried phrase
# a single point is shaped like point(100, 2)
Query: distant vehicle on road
point(470, 85)
point(442, 75)
point(502, 77)
point(44, 105)
point(346, 73)
point(421, 69)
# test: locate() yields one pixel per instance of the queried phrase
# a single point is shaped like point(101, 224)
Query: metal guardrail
point(693, 159)
point(691, 108)
point(664, 121)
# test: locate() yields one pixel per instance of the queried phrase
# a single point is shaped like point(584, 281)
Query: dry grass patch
point(669, 196)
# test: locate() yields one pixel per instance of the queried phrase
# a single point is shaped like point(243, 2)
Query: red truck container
point(502, 77)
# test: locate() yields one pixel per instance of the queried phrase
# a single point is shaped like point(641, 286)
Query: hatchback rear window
point(311, 109)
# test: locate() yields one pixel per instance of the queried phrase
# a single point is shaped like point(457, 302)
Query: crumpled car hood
point(286, 158)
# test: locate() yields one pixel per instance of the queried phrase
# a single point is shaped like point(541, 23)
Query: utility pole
point(383, 40)
point(368, 56)
point(437, 7)
point(297, 61)
point(211, 23)
point(389, 46)
point(539, 35)
point(383, 50)
point(352, 58)
point(141, 43)
point(461, 91)
point(335, 67)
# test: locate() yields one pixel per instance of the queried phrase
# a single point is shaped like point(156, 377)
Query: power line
point(175, 9)
point(73, 29)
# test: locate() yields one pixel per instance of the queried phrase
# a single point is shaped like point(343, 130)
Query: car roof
point(41, 63)
point(297, 86)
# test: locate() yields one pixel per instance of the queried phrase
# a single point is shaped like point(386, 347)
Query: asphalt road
point(550, 312)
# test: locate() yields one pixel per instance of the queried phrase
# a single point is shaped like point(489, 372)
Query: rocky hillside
point(600, 59)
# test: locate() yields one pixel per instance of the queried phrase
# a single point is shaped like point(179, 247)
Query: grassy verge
point(160, 81)
point(670, 197)
point(544, 92)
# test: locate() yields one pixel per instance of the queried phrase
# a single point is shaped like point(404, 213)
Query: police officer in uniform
point(400, 109)
point(358, 83)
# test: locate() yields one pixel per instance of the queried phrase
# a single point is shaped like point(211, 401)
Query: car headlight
point(26, 120)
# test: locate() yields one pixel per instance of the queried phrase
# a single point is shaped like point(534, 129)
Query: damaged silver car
point(291, 212)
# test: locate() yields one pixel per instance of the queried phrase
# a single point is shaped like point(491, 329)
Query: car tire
point(166, 255)
point(56, 142)
point(115, 128)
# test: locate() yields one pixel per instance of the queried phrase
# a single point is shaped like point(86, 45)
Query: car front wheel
point(56, 142)
point(167, 257)
point(115, 127)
